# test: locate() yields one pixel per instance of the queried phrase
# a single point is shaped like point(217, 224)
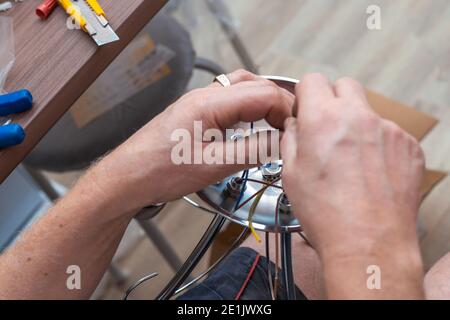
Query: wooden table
point(57, 64)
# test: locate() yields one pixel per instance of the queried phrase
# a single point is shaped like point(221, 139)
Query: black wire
point(306, 239)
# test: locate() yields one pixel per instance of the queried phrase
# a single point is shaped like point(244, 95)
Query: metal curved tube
point(137, 284)
point(236, 243)
point(220, 10)
point(286, 262)
point(196, 205)
point(195, 257)
point(161, 243)
point(269, 269)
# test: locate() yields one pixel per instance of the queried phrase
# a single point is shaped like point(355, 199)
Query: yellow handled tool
point(101, 16)
point(73, 12)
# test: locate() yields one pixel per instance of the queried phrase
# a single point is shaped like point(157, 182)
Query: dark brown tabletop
point(57, 64)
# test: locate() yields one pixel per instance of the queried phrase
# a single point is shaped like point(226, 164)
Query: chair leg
point(161, 243)
point(44, 184)
point(219, 9)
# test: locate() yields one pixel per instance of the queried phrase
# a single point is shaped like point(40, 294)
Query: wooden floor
point(408, 60)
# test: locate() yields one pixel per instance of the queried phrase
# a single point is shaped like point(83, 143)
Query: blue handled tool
point(11, 103)
point(11, 135)
point(15, 102)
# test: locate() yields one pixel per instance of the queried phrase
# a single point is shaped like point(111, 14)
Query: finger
point(314, 89)
point(248, 104)
point(290, 98)
point(249, 152)
point(237, 77)
point(257, 81)
point(349, 88)
point(289, 140)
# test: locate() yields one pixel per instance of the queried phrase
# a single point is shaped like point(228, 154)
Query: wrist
point(133, 176)
point(118, 189)
point(399, 266)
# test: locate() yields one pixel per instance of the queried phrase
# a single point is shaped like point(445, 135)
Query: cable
point(249, 276)
point(256, 194)
point(138, 283)
point(251, 213)
point(241, 194)
point(265, 183)
point(244, 176)
point(186, 286)
point(305, 239)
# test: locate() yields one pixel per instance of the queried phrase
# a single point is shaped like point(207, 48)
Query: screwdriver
point(16, 102)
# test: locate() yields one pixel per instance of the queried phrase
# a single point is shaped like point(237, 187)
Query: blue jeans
point(226, 280)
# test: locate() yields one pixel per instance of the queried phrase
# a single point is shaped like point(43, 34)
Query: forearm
point(82, 229)
point(384, 273)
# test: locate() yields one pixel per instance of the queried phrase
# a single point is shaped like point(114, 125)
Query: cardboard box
point(416, 123)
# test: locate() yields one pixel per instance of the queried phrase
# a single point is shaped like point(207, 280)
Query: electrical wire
point(257, 193)
point(244, 176)
point(305, 239)
point(251, 213)
point(241, 194)
point(249, 277)
point(265, 183)
point(138, 283)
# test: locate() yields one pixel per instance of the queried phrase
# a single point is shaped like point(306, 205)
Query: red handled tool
point(46, 8)
point(83, 13)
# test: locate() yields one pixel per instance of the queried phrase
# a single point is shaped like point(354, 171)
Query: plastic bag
point(7, 56)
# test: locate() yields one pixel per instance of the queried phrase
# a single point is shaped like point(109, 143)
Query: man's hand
point(85, 227)
point(141, 171)
point(354, 180)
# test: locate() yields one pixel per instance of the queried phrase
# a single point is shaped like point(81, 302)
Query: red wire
point(249, 276)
